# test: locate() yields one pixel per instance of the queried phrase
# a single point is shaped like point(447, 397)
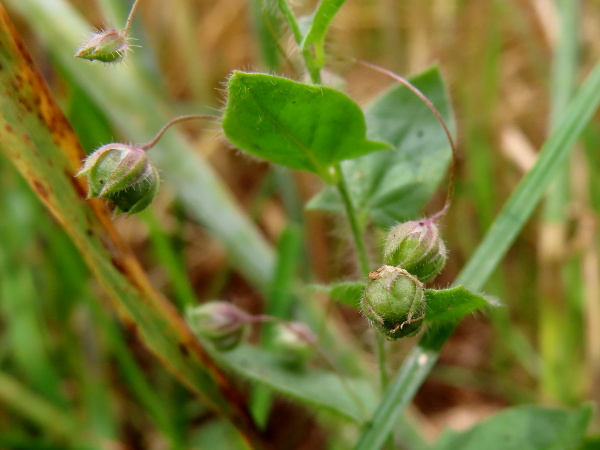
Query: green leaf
point(41, 411)
point(523, 428)
point(348, 292)
point(394, 186)
point(450, 305)
point(350, 398)
point(321, 20)
point(301, 126)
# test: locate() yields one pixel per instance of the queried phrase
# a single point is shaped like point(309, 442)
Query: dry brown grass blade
point(39, 141)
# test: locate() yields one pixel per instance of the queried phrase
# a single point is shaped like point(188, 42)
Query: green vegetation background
point(69, 367)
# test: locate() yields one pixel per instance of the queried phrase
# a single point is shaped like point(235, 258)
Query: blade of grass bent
point(487, 256)
point(43, 413)
point(134, 104)
point(36, 137)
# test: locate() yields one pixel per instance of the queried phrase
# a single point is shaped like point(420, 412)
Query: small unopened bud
point(294, 343)
point(394, 302)
point(219, 322)
point(416, 247)
point(123, 174)
point(107, 46)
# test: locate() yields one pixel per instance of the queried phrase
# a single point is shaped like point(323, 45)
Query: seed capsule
point(123, 174)
point(416, 247)
point(394, 302)
point(107, 46)
point(219, 322)
point(294, 344)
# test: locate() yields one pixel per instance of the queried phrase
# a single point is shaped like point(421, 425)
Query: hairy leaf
point(348, 292)
point(301, 126)
point(450, 305)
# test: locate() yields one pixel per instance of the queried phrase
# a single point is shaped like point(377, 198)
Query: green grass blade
point(41, 412)
point(557, 319)
point(280, 302)
point(134, 377)
point(565, 62)
point(172, 262)
point(505, 228)
point(524, 199)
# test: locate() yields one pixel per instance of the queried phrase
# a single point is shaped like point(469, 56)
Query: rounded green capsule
point(294, 343)
point(416, 247)
point(394, 302)
point(220, 322)
point(122, 174)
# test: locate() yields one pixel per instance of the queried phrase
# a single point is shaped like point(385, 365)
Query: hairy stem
point(363, 259)
point(361, 250)
point(130, 17)
point(309, 61)
point(156, 138)
point(437, 114)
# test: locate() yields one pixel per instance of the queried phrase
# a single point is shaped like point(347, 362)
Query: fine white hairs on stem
point(109, 45)
point(134, 8)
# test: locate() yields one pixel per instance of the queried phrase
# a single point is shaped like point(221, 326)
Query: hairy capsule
point(220, 322)
point(416, 247)
point(122, 174)
point(294, 344)
point(394, 302)
point(106, 46)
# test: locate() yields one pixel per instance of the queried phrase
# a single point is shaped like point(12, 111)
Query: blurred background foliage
point(68, 365)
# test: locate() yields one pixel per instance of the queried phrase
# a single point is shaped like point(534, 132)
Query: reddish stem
point(439, 117)
point(156, 138)
point(130, 17)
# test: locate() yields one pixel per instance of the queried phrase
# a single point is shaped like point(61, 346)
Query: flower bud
point(106, 46)
point(123, 174)
point(394, 302)
point(294, 343)
point(219, 322)
point(416, 247)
